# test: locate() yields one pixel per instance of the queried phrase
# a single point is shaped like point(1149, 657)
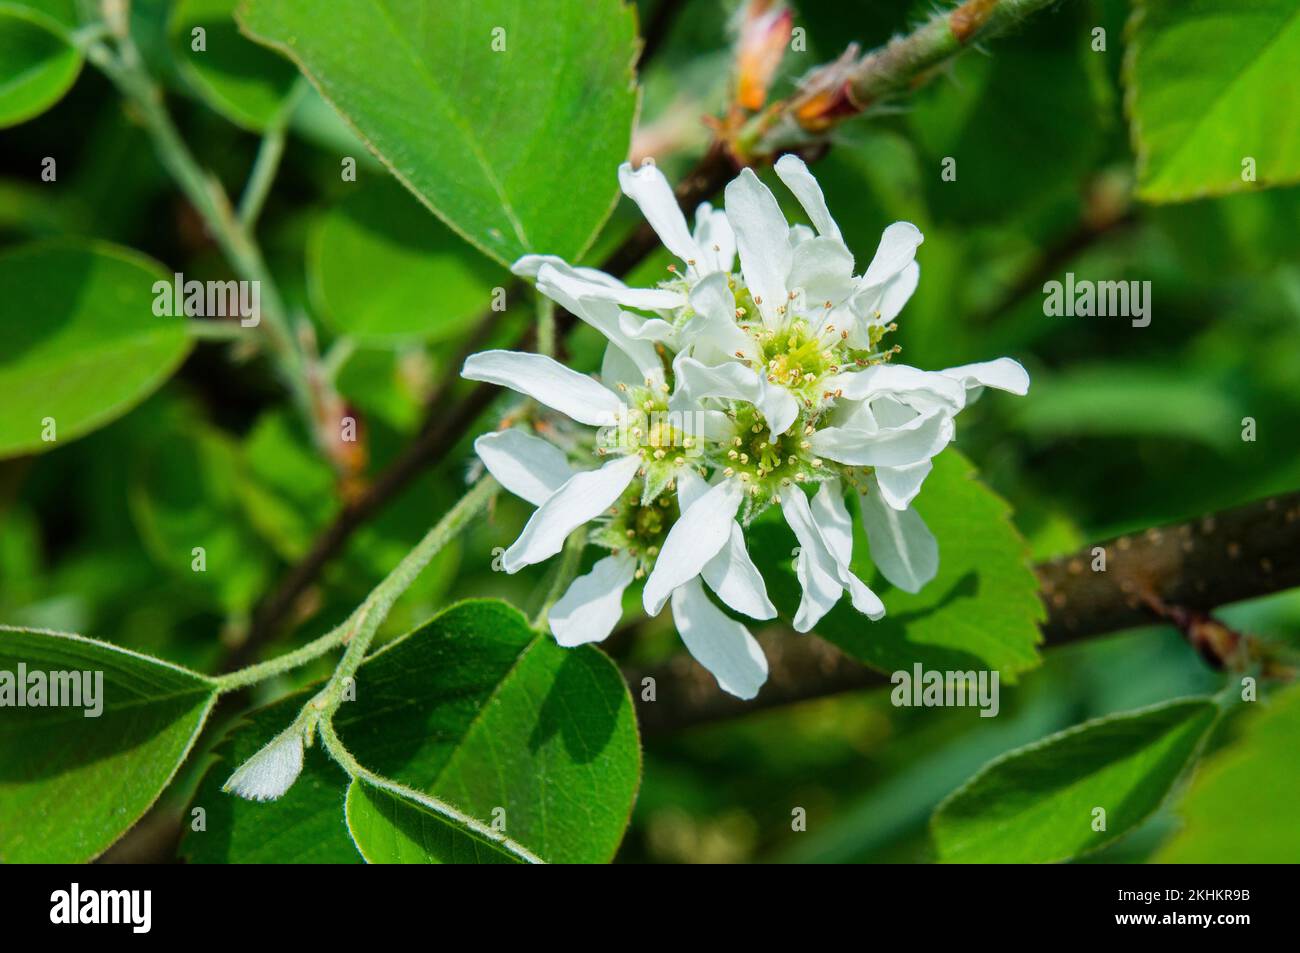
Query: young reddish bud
point(764, 39)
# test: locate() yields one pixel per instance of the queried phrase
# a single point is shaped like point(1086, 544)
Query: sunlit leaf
point(79, 341)
point(506, 118)
point(1210, 96)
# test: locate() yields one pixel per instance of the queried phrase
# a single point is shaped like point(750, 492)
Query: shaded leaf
point(243, 81)
point(1038, 804)
point(38, 63)
point(473, 708)
point(383, 270)
point(391, 829)
point(71, 785)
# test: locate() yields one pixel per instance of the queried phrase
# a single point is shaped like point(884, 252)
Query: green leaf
point(305, 826)
point(38, 64)
point(1242, 808)
point(71, 785)
point(982, 609)
point(79, 342)
point(473, 708)
point(384, 271)
point(391, 829)
point(1209, 85)
point(1038, 804)
point(193, 489)
point(515, 149)
point(241, 80)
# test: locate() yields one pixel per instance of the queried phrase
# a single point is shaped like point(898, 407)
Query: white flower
point(722, 394)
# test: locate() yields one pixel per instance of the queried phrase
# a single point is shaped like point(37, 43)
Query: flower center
point(637, 527)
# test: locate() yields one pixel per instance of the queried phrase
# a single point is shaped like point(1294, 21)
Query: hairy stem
point(359, 629)
point(851, 84)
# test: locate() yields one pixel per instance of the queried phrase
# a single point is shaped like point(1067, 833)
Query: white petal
point(778, 407)
point(602, 314)
point(902, 546)
point(815, 566)
point(593, 604)
point(715, 239)
point(529, 265)
point(799, 234)
point(833, 521)
point(269, 773)
point(529, 467)
point(566, 287)
point(823, 270)
point(549, 382)
point(722, 645)
point(648, 188)
point(891, 412)
point(794, 173)
point(690, 487)
point(1004, 374)
point(918, 440)
point(898, 290)
point(882, 303)
point(835, 525)
point(899, 485)
point(582, 498)
point(637, 328)
point(897, 248)
point(734, 577)
point(696, 381)
point(715, 337)
point(761, 237)
point(733, 381)
point(897, 379)
point(695, 538)
point(617, 368)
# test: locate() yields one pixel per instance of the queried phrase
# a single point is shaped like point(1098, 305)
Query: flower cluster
point(723, 393)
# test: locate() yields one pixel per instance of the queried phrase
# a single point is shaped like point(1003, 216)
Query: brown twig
point(1177, 573)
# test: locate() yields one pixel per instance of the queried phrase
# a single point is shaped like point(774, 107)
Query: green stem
point(284, 663)
point(127, 72)
point(545, 325)
point(565, 573)
point(207, 330)
point(359, 629)
point(268, 158)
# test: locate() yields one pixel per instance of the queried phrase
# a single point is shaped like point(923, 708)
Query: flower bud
point(764, 38)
